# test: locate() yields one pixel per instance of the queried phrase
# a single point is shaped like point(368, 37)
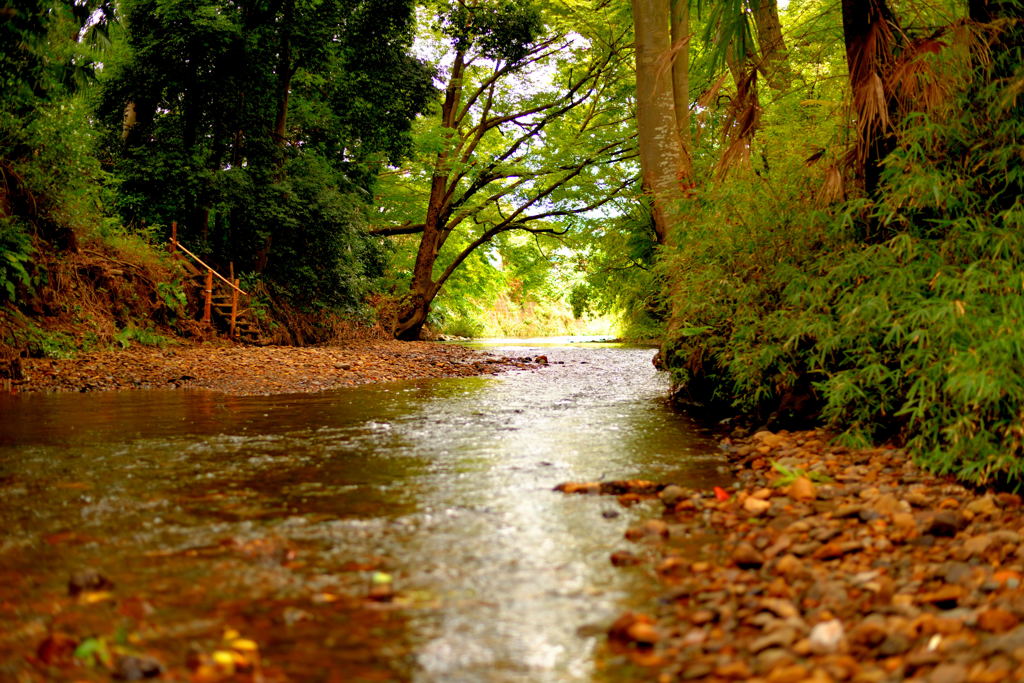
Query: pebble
point(747, 556)
point(827, 637)
point(886, 574)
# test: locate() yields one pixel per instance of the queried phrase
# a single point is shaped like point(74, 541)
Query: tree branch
point(404, 229)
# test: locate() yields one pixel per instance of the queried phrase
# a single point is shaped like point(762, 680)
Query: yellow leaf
point(245, 645)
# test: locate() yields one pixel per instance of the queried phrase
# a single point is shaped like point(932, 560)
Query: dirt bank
point(246, 370)
point(825, 564)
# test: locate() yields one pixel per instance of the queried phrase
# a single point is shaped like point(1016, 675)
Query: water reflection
point(444, 484)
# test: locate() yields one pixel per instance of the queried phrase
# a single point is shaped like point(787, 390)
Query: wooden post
point(234, 305)
point(208, 303)
point(174, 235)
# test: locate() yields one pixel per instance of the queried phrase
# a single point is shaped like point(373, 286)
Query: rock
point(643, 633)
point(948, 673)
point(997, 620)
point(633, 629)
point(780, 637)
point(756, 506)
point(871, 632)
point(944, 597)
point(805, 549)
point(945, 524)
point(784, 609)
point(790, 567)
point(827, 637)
point(790, 673)
point(847, 510)
point(888, 505)
point(895, 644)
point(702, 616)
point(652, 528)
point(831, 551)
point(624, 558)
point(670, 495)
point(802, 489)
point(984, 506)
point(904, 521)
point(747, 556)
point(976, 545)
point(697, 670)
point(734, 670)
point(88, 580)
point(137, 668)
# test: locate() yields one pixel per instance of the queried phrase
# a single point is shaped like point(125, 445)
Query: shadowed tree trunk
point(869, 37)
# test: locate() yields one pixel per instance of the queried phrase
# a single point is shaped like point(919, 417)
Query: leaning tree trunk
point(664, 162)
point(415, 305)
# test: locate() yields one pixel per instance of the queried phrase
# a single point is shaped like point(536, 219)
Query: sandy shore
point(248, 370)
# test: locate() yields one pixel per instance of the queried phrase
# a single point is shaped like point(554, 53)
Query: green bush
point(919, 337)
point(15, 256)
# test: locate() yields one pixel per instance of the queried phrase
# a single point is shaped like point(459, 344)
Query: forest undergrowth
point(891, 317)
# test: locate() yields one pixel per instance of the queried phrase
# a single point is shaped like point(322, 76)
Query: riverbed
point(398, 531)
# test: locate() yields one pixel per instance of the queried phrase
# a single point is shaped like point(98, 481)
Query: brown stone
point(802, 489)
point(756, 506)
point(624, 558)
point(747, 556)
point(737, 669)
point(789, 673)
point(997, 620)
point(944, 596)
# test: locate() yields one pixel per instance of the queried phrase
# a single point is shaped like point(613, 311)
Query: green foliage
point(917, 337)
point(147, 337)
point(259, 131)
point(787, 475)
point(95, 652)
point(40, 343)
point(15, 255)
point(501, 30)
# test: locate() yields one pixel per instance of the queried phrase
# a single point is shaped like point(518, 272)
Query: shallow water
point(268, 514)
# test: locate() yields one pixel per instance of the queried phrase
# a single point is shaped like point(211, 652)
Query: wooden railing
point(176, 246)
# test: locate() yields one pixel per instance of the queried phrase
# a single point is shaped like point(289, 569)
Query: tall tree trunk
point(774, 63)
point(284, 73)
point(680, 33)
point(415, 305)
point(664, 162)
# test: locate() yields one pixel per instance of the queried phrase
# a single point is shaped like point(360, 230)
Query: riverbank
point(250, 370)
point(825, 564)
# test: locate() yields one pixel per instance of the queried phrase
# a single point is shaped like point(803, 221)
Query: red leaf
point(721, 494)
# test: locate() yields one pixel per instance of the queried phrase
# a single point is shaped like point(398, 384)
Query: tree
point(662, 106)
point(259, 126)
point(527, 138)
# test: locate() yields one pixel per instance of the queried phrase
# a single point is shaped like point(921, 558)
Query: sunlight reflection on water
point(447, 482)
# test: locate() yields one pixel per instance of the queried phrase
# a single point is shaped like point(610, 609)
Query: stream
point(276, 516)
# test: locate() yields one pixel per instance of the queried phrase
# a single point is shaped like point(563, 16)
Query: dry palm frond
point(741, 123)
point(668, 58)
point(706, 99)
point(833, 189)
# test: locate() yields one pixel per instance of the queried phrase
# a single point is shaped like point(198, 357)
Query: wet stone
point(895, 644)
point(945, 524)
point(747, 556)
point(780, 637)
point(948, 673)
point(137, 668)
point(88, 580)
